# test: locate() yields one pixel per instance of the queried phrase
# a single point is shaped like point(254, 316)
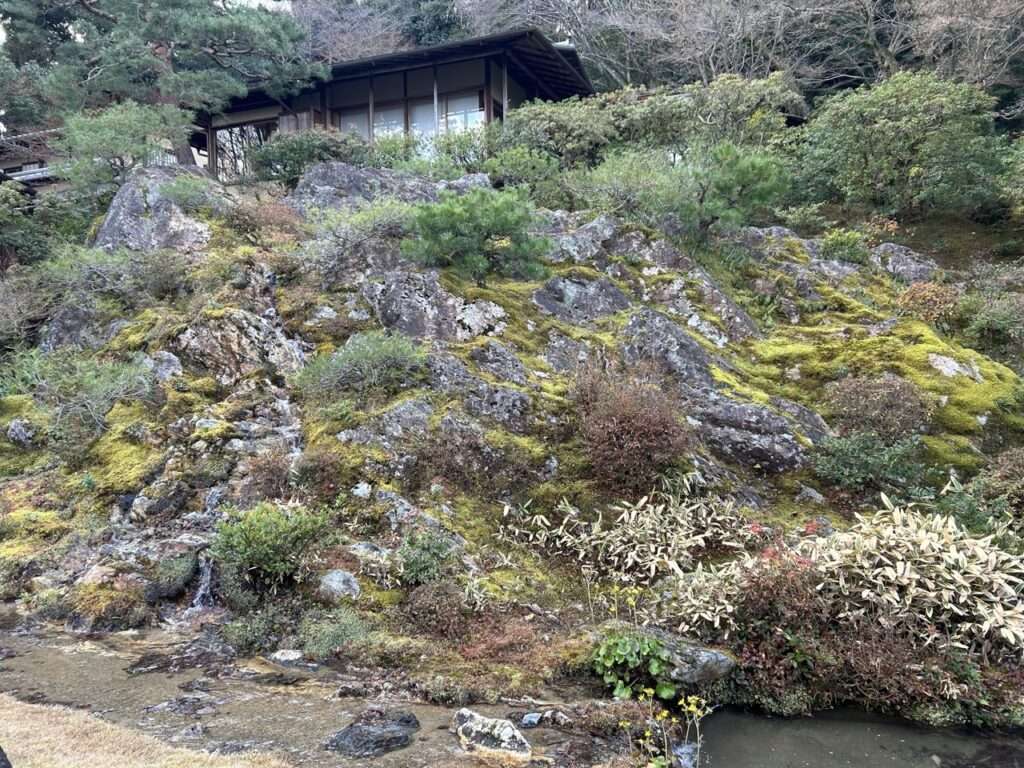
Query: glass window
point(234, 144)
point(463, 111)
point(353, 121)
point(388, 120)
point(421, 118)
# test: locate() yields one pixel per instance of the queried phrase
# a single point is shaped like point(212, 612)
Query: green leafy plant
point(910, 143)
point(372, 363)
point(423, 557)
point(845, 245)
point(21, 237)
point(268, 545)
point(476, 234)
point(630, 661)
point(288, 155)
point(190, 193)
point(104, 146)
point(864, 461)
point(324, 635)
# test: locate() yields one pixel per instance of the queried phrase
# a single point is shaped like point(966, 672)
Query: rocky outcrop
point(580, 301)
point(746, 433)
point(904, 263)
point(398, 425)
point(501, 362)
point(339, 185)
point(374, 733)
point(652, 337)
point(143, 217)
point(491, 740)
point(232, 343)
point(415, 304)
point(563, 354)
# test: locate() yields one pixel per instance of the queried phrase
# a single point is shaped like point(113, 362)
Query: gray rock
point(904, 263)
point(4, 762)
point(746, 433)
point(288, 657)
point(339, 185)
point(950, 368)
point(506, 406)
point(685, 755)
point(650, 336)
point(498, 360)
point(142, 218)
point(833, 270)
point(399, 424)
point(165, 365)
point(810, 422)
point(491, 739)
point(449, 374)
point(21, 432)
point(336, 585)
point(586, 244)
point(565, 355)
point(415, 304)
point(739, 326)
point(809, 495)
point(234, 343)
point(691, 663)
point(580, 301)
point(374, 733)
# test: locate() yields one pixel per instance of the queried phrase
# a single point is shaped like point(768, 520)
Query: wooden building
point(423, 92)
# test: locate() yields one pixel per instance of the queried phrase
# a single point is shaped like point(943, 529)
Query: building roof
point(556, 69)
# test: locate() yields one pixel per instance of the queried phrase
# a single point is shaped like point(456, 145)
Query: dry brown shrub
point(630, 428)
point(934, 303)
point(438, 609)
point(887, 406)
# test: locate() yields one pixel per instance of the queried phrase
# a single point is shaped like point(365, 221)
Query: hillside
point(394, 447)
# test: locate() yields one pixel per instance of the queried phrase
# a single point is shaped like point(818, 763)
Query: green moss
point(121, 463)
point(137, 333)
point(222, 430)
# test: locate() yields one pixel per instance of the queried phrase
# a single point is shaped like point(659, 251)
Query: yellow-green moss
point(137, 333)
point(119, 462)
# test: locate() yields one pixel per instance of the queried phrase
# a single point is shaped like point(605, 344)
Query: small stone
point(809, 495)
point(21, 433)
point(337, 585)
point(490, 739)
point(288, 658)
point(374, 733)
point(950, 368)
point(361, 490)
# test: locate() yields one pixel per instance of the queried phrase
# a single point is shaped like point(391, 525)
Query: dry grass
point(36, 736)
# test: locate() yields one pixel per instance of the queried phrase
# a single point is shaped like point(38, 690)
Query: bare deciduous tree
point(338, 30)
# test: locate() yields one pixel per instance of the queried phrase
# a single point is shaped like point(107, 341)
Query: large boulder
point(580, 301)
point(651, 336)
point(340, 185)
point(232, 343)
point(415, 304)
point(490, 739)
point(499, 361)
point(903, 263)
point(746, 433)
point(374, 733)
point(690, 663)
point(142, 217)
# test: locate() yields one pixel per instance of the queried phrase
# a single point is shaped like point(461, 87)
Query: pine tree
point(191, 54)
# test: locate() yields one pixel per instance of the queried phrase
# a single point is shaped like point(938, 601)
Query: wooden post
point(488, 96)
point(211, 150)
point(369, 127)
point(504, 87)
point(437, 111)
point(405, 100)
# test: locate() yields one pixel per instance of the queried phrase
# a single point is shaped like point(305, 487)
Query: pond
point(262, 706)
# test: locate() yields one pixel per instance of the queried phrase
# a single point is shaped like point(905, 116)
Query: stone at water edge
point(491, 739)
point(4, 762)
point(374, 733)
